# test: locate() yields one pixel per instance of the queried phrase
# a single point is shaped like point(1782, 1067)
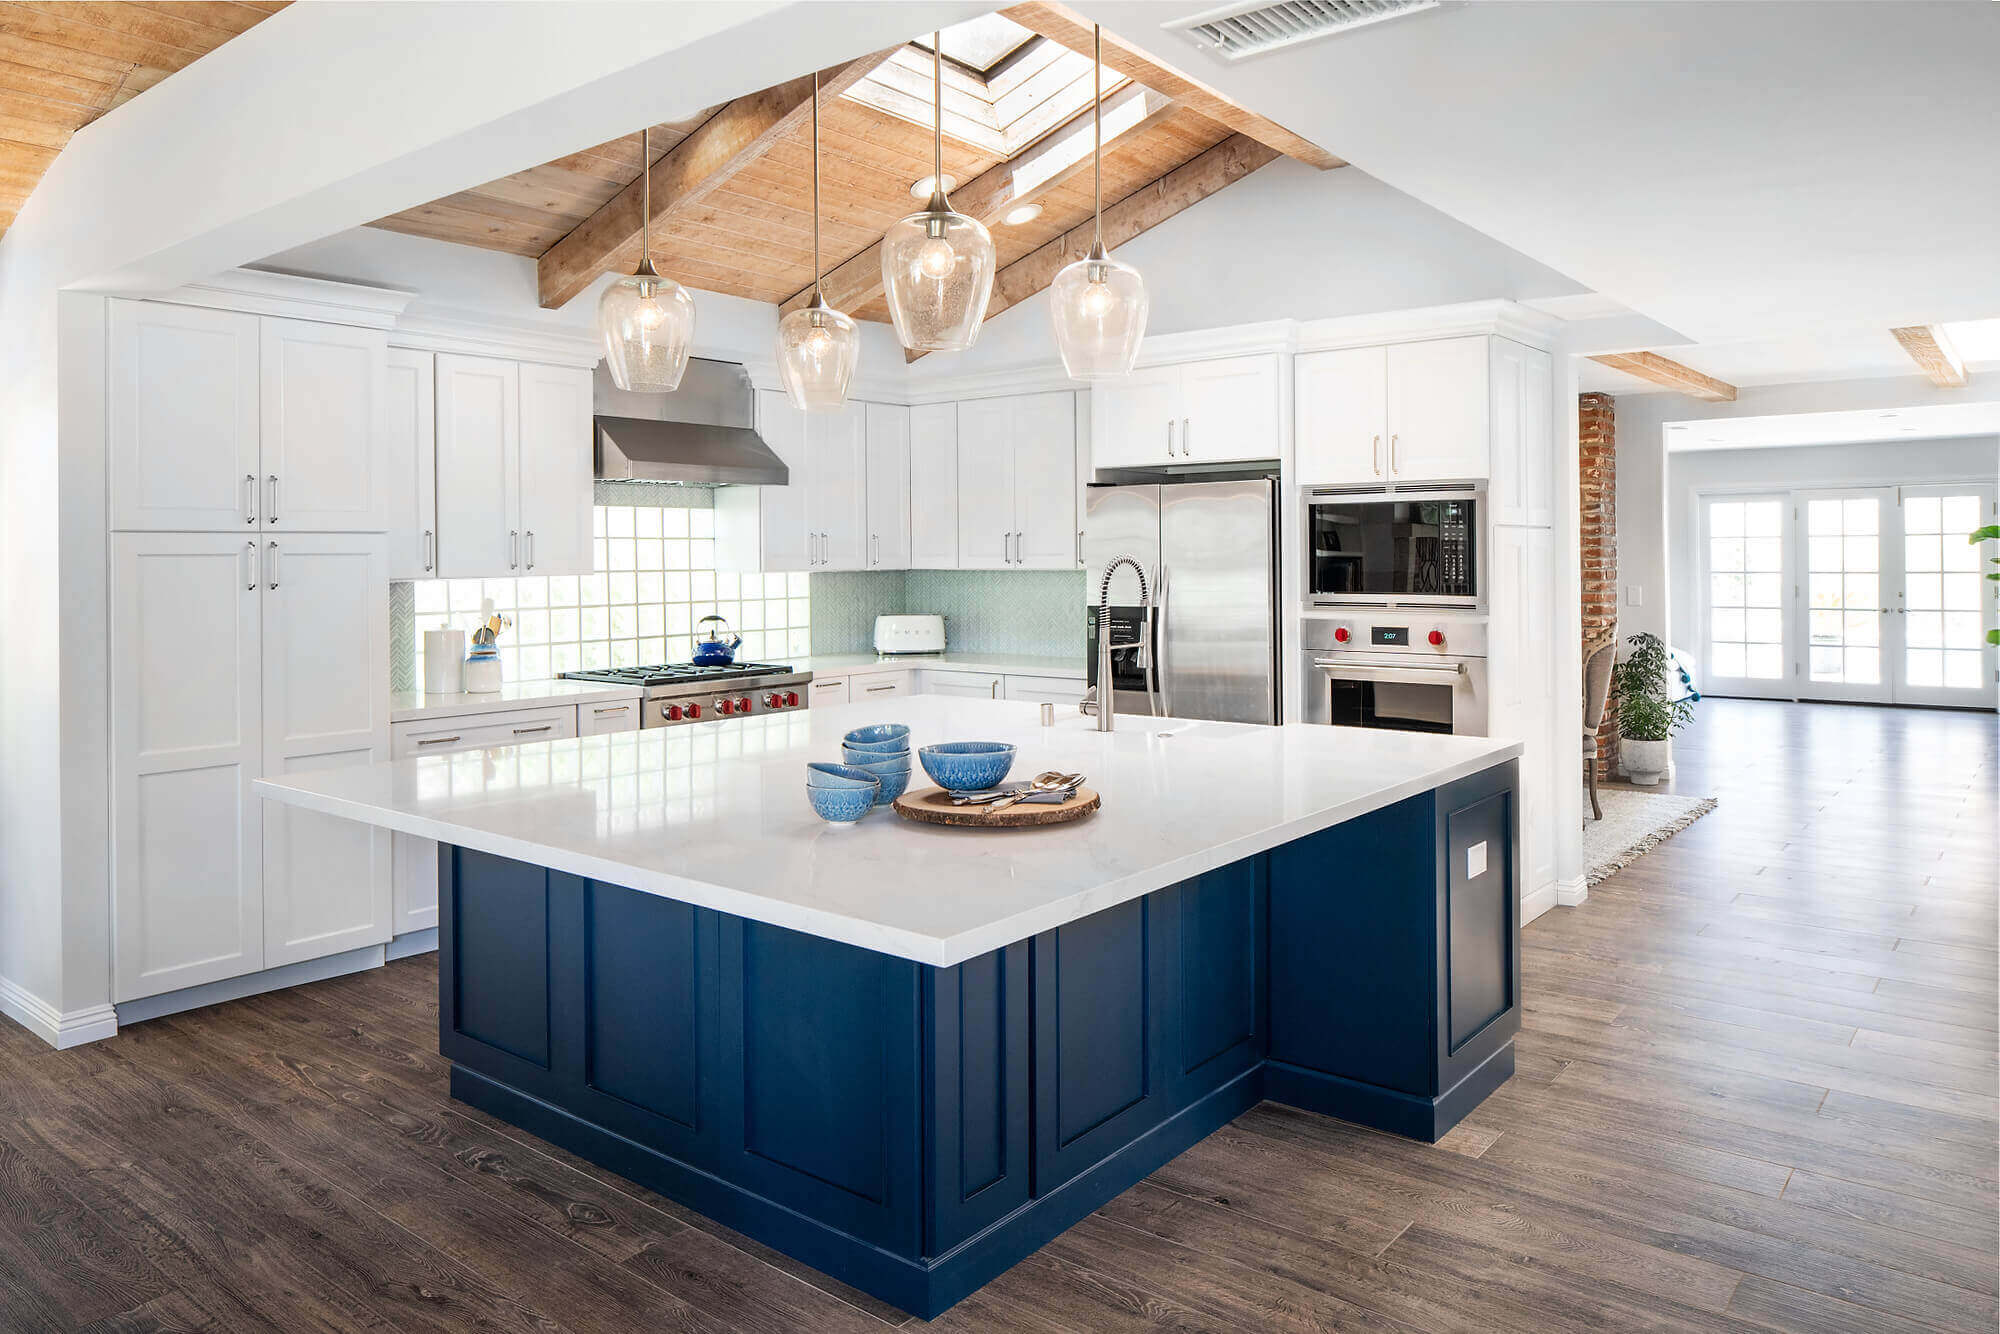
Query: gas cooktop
point(679, 673)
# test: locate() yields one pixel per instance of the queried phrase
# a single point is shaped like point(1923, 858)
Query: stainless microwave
point(1395, 548)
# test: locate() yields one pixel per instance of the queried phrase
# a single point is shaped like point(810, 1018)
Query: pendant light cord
point(645, 199)
point(937, 112)
point(1097, 133)
point(817, 288)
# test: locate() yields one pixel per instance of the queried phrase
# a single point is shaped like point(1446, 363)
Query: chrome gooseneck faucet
point(1102, 705)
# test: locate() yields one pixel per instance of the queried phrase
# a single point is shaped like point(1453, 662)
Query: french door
point(1869, 594)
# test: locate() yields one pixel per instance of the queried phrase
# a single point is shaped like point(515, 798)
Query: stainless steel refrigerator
point(1210, 551)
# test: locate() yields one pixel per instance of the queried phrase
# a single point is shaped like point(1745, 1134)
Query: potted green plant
point(1649, 711)
point(1990, 533)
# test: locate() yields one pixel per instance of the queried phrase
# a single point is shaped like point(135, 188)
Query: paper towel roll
point(444, 662)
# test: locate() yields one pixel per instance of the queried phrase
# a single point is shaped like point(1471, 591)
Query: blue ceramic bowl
point(894, 785)
point(893, 770)
point(838, 776)
point(889, 736)
point(842, 805)
point(855, 755)
point(967, 766)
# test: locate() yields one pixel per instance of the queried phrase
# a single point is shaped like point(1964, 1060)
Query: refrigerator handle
point(1157, 674)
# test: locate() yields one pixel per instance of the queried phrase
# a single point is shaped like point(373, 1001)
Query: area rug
point(1634, 824)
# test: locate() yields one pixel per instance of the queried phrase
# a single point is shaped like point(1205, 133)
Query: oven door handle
point(1413, 676)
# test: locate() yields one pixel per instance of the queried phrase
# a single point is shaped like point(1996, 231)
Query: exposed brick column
point(1598, 458)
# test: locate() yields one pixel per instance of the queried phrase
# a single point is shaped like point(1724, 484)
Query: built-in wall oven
point(1396, 671)
point(1416, 547)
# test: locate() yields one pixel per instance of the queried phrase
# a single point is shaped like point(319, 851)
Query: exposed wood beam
point(686, 174)
point(857, 280)
point(1060, 24)
point(1933, 353)
point(1186, 185)
point(1686, 379)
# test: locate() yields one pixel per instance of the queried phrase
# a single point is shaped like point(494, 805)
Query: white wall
point(1286, 242)
point(1642, 463)
point(1897, 463)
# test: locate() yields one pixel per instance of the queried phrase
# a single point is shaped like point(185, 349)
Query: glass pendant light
point(937, 265)
point(646, 321)
point(818, 347)
point(1098, 304)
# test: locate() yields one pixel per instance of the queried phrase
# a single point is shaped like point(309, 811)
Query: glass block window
point(655, 578)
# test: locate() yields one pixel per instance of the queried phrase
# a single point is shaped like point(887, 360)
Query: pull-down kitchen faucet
point(1102, 704)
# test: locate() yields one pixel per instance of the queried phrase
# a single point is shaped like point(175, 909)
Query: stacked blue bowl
point(882, 750)
point(841, 793)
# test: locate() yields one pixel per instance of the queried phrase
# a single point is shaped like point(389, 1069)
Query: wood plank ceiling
point(749, 234)
point(64, 65)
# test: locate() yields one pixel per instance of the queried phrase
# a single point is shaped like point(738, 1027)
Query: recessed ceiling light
point(921, 188)
point(1021, 213)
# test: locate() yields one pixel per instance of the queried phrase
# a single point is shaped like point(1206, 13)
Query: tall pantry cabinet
point(249, 507)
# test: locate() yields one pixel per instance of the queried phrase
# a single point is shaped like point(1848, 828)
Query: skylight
point(980, 44)
point(1976, 341)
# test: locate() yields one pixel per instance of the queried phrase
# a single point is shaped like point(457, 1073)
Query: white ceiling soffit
point(1939, 421)
point(1732, 170)
point(1826, 354)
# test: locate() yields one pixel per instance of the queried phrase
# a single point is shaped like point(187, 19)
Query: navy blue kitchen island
point(914, 1130)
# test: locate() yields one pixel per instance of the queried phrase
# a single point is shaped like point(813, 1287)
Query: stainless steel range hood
point(701, 433)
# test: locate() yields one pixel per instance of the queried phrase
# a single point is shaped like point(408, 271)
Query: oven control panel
point(1454, 636)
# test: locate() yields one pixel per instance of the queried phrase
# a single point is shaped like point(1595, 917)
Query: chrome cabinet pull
point(438, 741)
point(271, 510)
point(1375, 455)
point(250, 565)
point(993, 690)
point(620, 709)
point(531, 548)
point(1392, 451)
point(876, 690)
point(430, 551)
point(249, 497)
point(529, 731)
point(513, 549)
point(1187, 431)
point(274, 564)
point(1079, 546)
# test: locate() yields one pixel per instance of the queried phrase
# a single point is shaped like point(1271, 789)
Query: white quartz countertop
point(408, 706)
point(1018, 664)
point(716, 815)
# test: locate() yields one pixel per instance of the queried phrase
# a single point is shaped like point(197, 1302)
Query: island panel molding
point(916, 1130)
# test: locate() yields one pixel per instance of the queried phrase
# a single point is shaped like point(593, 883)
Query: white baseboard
point(1537, 901)
point(1573, 891)
point(51, 1025)
point(412, 942)
point(251, 984)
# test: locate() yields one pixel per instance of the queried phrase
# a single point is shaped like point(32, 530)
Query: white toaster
point(909, 634)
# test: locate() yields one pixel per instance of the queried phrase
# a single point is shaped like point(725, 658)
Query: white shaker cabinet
point(186, 743)
point(325, 453)
point(478, 466)
point(557, 469)
point(963, 685)
point(1222, 410)
point(1017, 502)
point(934, 487)
point(326, 705)
point(986, 484)
point(764, 527)
point(1343, 414)
point(1395, 415)
point(410, 424)
point(1135, 420)
point(888, 487)
point(1523, 435)
point(837, 488)
point(182, 419)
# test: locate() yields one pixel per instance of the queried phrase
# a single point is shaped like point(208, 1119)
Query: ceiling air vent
point(1236, 31)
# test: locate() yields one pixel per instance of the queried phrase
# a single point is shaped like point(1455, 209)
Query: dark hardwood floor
point(1756, 1091)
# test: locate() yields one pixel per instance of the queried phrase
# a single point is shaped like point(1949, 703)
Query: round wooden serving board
point(933, 805)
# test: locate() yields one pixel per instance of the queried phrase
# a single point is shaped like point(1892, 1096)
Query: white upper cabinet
point(888, 470)
point(1523, 414)
point(186, 744)
point(934, 487)
point(410, 425)
point(764, 527)
point(478, 466)
point(1437, 410)
point(557, 470)
point(326, 705)
point(837, 487)
point(1405, 413)
point(183, 419)
point(1224, 410)
point(325, 453)
point(1017, 503)
point(1343, 413)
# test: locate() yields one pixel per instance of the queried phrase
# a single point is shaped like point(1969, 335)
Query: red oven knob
point(791, 699)
point(694, 710)
point(774, 700)
point(743, 705)
point(1437, 638)
point(725, 706)
point(1340, 634)
point(673, 712)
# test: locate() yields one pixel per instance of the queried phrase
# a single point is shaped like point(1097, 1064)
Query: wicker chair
point(1597, 664)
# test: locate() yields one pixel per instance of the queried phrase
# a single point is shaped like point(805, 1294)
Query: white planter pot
point(1645, 762)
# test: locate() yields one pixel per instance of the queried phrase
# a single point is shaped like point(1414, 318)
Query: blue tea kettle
point(714, 642)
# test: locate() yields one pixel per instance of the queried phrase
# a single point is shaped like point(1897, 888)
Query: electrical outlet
point(1635, 595)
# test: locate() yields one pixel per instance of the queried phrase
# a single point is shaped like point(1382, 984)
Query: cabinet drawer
point(832, 690)
point(1045, 689)
point(964, 685)
point(878, 685)
point(481, 731)
point(614, 715)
